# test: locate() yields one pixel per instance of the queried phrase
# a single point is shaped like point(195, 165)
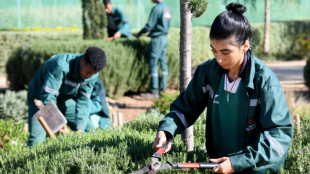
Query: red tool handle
point(193, 165)
point(189, 165)
point(162, 149)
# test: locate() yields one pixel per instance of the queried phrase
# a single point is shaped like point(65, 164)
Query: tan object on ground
point(50, 117)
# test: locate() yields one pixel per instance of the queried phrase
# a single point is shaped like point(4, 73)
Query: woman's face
point(227, 53)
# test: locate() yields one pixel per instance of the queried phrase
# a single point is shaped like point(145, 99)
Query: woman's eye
point(213, 51)
point(225, 53)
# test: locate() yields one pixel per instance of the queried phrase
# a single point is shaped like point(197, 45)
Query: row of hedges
point(127, 68)
point(9, 41)
point(125, 149)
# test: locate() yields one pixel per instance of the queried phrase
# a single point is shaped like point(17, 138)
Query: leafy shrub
point(307, 73)
point(9, 41)
point(12, 135)
point(13, 105)
point(163, 103)
point(125, 149)
point(94, 19)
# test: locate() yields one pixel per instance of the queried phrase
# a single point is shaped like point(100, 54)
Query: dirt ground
point(129, 107)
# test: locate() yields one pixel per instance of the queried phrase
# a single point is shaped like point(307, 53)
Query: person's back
point(160, 17)
point(158, 27)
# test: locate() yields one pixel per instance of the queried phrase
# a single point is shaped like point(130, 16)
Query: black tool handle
point(208, 165)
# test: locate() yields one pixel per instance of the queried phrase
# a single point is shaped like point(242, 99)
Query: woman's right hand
point(160, 140)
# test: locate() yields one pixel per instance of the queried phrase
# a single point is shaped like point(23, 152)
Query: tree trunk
point(185, 62)
point(267, 24)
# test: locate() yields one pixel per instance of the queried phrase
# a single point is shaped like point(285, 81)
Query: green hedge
point(9, 41)
point(123, 150)
point(13, 106)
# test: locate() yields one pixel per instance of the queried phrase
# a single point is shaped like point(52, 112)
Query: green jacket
point(98, 103)
point(159, 21)
point(59, 79)
point(119, 22)
point(264, 112)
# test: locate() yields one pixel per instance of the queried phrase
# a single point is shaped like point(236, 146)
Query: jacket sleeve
point(52, 83)
point(276, 135)
point(188, 106)
point(152, 21)
point(122, 26)
point(83, 104)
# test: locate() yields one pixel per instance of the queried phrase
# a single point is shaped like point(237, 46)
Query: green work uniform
point(263, 116)
point(158, 25)
point(118, 22)
point(58, 80)
point(99, 112)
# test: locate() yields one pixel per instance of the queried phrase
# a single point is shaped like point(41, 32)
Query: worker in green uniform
point(99, 112)
point(67, 80)
point(248, 127)
point(158, 27)
point(118, 25)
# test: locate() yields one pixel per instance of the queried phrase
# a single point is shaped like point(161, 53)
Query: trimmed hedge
point(13, 105)
point(125, 149)
point(9, 41)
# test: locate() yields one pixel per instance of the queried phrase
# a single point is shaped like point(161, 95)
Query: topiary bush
point(307, 73)
point(94, 19)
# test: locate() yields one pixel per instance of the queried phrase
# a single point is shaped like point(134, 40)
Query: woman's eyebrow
point(222, 49)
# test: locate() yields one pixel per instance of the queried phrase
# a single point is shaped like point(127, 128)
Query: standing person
point(118, 25)
point(67, 80)
point(99, 112)
point(248, 127)
point(158, 25)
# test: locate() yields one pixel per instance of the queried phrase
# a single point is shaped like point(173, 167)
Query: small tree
point(188, 9)
point(94, 19)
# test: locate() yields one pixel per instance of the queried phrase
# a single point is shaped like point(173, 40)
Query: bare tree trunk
point(185, 62)
point(267, 24)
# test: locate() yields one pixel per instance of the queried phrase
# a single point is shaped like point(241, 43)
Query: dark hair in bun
point(232, 23)
point(236, 8)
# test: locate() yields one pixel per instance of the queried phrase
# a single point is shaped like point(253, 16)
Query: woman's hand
point(224, 166)
point(160, 140)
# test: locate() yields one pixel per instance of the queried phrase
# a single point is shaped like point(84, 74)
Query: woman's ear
point(246, 46)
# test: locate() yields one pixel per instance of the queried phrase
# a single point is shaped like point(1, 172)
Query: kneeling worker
point(67, 80)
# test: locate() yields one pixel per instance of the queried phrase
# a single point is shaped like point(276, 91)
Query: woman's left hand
point(224, 165)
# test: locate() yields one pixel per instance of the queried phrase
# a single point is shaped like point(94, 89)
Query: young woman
point(249, 127)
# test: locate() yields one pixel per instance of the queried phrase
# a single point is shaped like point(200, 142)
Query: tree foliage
point(198, 7)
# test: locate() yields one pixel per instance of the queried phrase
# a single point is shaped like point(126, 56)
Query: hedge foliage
point(124, 149)
point(13, 105)
point(9, 41)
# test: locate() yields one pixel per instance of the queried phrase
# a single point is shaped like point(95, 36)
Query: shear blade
point(141, 171)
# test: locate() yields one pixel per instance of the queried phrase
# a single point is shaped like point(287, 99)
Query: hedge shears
point(156, 164)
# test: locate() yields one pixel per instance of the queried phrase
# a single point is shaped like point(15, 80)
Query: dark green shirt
point(227, 132)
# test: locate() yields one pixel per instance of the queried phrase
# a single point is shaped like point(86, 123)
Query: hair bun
point(236, 8)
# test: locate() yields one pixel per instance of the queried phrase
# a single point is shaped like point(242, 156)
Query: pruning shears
point(156, 164)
